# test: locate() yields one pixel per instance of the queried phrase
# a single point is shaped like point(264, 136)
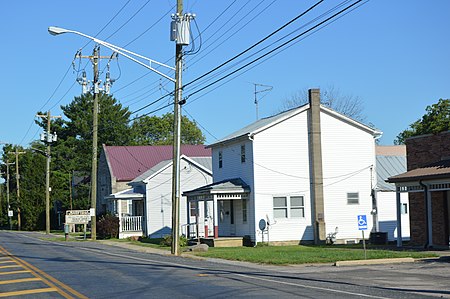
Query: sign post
point(362, 226)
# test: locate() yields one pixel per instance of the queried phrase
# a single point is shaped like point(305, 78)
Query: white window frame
point(289, 207)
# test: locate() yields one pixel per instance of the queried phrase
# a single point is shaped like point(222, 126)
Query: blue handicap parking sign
point(362, 222)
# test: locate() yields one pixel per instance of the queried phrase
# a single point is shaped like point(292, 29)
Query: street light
point(178, 19)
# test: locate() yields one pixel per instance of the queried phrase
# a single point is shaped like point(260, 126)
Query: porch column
point(188, 213)
point(119, 212)
point(429, 217)
point(215, 217)
point(399, 219)
point(205, 215)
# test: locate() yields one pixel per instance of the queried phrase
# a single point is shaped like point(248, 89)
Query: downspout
point(427, 202)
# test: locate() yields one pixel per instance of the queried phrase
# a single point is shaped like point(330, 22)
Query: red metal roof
point(128, 162)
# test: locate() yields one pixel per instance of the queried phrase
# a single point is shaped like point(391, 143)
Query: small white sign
point(77, 219)
point(10, 213)
point(92, 212)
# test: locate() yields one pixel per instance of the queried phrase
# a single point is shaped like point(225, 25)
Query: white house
point(391, 161)
point(156, 185)
point(302, 174)
point(145, 168)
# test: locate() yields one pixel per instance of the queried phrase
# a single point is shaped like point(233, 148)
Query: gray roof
point(259, 124)
point(230, 185)
point(263, 123)
point(388, 166)
point(205, 162)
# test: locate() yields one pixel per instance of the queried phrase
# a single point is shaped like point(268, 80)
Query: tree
point(154, 130)
point(435, 120)
point(331, 97)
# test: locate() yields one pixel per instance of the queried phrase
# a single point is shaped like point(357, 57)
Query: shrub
point(108, 227)
point(167, 241)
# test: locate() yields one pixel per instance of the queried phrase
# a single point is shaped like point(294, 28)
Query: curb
point(374, 262)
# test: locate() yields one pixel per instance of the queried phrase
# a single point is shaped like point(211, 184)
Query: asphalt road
point(96, 270)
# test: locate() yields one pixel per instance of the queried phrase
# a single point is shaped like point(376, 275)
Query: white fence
point(131, 224)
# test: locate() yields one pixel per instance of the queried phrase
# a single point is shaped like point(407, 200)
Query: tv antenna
point(260, 88)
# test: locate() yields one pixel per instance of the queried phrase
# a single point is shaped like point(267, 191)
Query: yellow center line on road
point(28, 292)
point(15, 272)
point(10, 266)
point(63, 289)
point(20, 280)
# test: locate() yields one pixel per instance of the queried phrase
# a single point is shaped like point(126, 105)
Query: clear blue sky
point(394, 55)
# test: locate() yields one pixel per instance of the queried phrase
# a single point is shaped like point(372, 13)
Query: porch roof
point(230, 186)
point(434, 176)
point(126, 195)
point(435, 171)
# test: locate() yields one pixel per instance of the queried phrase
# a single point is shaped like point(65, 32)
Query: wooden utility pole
point(49, 139)
point(175, 248)
point(94, 147)
point(7, 192)
point(17, 153)
point(95, 60)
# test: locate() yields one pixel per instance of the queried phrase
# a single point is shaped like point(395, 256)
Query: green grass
point(145, 242)
point(298, 254)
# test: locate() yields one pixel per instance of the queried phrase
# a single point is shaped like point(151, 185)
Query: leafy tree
point(348, 105)
point(435, 120)
point(154, 130)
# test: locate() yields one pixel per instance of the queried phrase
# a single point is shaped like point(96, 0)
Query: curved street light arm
point(128, 54)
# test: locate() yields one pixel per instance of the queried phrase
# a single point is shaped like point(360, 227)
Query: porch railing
point(131, 223)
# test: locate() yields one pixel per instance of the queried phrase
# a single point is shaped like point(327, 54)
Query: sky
point(393, 55)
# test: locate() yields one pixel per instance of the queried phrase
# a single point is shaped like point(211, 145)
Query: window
point(297, 207)
point(193, 208)
point(404, 208)
point(244, 211)
point(353, 198)
point(289, 207)
point(220, 159)
point(130, 207)
point(243, 153)
point(280, 207)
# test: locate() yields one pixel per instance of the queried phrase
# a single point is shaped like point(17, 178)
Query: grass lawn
point(298, 254)
point(145, 242)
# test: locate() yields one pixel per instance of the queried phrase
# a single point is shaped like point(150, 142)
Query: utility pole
point(49, 138)
point(17, 153)
point(7, 193)
point(96, 90)
point(94, 147)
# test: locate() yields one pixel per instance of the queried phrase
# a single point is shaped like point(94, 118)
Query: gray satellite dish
point(262, 224)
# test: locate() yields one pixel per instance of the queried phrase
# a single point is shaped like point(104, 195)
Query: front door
point(232, 220)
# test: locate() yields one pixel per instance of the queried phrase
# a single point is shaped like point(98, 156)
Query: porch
point(429, 189)
point(129, 208)
point(212, 216)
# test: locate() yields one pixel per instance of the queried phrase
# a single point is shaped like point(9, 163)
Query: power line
point(256, 44)
point(273, 50)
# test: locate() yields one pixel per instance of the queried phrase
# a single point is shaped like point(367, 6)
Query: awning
point(230, 189)
point(127, 194)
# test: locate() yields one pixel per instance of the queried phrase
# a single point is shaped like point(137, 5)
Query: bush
point(108, 227)
point(167, 241)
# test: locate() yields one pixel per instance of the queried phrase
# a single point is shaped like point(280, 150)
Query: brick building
point(428, 182)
